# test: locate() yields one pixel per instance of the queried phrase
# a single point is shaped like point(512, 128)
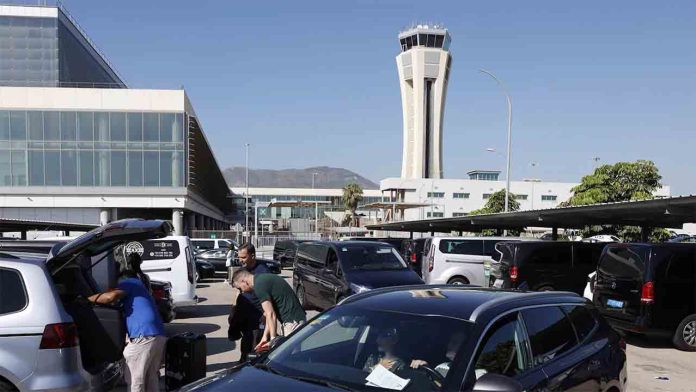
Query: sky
point(314, 83)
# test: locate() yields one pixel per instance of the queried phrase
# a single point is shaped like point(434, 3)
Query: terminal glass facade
point(92, 149)
point(49, 52)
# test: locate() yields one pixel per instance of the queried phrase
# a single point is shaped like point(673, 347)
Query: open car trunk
point(74, 265)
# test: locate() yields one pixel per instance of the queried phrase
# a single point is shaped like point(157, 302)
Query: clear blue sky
point(315, 83)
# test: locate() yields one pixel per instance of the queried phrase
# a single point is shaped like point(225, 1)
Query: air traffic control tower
point(424, 67)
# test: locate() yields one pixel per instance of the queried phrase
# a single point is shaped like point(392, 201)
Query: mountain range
point(326, 177)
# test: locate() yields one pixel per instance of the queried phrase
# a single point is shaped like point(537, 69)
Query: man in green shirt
point(278, 301)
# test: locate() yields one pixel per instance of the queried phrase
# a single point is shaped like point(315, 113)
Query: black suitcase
point(185, 360)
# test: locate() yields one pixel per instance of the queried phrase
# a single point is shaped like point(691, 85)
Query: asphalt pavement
point(653, 364)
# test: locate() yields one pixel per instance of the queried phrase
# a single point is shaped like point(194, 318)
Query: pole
point(509, 137)
point(246, 196)
point(316, 207)
point(256, 225)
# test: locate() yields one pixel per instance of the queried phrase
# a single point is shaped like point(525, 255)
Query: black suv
point(443, 338)
point(284, 251)
point(650, 289)
point(544, 265)
point(326, 272)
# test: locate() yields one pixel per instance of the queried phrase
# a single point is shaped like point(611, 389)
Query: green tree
point(496, 203)
point(622, 181)
point(352, 195)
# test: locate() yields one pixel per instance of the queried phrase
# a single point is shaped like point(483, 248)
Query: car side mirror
point(491, 382)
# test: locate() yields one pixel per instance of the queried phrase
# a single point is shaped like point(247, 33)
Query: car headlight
point(356, 288)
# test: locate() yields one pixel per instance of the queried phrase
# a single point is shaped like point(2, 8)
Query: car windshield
point(370, 257)
point(349, 346)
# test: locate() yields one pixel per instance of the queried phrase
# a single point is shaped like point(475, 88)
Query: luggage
point(185, 360)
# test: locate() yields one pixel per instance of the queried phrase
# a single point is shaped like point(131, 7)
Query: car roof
point(485, 238)
point(462, 302)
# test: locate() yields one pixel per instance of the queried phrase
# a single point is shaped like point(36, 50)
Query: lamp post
point(316, 206)
point(509, 136)
point(246, 196)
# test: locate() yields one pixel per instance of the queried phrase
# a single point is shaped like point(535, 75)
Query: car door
point(314, 262)
point(330, 280)
point(554, 347)
point(504, 350)
point(675, 290)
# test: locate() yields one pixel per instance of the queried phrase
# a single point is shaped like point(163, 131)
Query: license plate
point(612, 303)
point(498, 283)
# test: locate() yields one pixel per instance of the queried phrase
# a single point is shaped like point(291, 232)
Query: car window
point(502, 350)
point(312, 254)
point(370, 257)
point(199, 245)
point(489, 247)
point(550, 333)
point(583, 321)
point(587, 254)
point(331, 334)
point(682, 266)
point(13, 297)
point(623, 262)
point(462, 247)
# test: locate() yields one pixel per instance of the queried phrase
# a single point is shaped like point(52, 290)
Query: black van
point(284, 251)
point(326, 272)
point(545, 265)
point(650, 289)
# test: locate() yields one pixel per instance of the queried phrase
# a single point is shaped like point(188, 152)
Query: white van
point(169, 259)
point(458, 260)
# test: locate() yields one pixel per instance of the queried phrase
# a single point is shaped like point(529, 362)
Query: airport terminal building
point(77, 145)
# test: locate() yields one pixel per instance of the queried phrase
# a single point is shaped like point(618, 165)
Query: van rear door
point(621, 272)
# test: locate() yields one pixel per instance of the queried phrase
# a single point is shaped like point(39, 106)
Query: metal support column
point(554, 233)
point(645, 233)
point(178, 221)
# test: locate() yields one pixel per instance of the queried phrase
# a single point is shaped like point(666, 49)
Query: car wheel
point(685, 335)
point(7, 387)
point(301, 297)
point(458, 280)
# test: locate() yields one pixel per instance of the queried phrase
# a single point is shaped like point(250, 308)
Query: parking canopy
point(669, 212)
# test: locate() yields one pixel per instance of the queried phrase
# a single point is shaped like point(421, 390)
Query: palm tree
point(352, 195)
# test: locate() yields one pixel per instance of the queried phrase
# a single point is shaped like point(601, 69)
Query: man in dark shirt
point(278, 301)
point(251, 335)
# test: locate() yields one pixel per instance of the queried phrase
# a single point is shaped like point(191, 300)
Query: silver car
point(51, 337)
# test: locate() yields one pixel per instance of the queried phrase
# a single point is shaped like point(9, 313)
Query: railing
point(268, 241)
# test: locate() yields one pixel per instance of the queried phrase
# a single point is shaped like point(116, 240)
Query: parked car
point(217, 257)
point(465, 339)
point(272, 265)
point(285, 251)
point(51, 337)
point(162, 293)
point(169, 259)
point(650, 289)
point(603, 238)
point(414, 254)
point(200, 244)
point(458, 260)
point(545, 265)
point(205, 269)
point(400, 244)
point(326, 272)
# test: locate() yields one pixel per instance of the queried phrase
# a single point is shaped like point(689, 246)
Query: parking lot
point(653, 364)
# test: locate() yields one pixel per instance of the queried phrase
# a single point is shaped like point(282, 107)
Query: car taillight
point(62, 335)
point(158, 293)
point(413, 258)
point(513, 273)
point(647, 294)
point(431, 263)
point(622, 344)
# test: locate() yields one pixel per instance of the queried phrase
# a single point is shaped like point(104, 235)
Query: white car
point(603, 238)
point(459, 260)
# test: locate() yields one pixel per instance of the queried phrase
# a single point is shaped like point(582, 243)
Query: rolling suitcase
point(185, 360)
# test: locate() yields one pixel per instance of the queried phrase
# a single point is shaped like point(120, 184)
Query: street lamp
point(509, 137)
point(246, 197)
point(316, 206)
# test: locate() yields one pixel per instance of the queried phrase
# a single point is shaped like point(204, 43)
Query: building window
point(520, 197)
point(64, 148)
point(487, 196)
point(549, 197)
point(459, 214)
point(436, 195)
point(460, 195)
point(436, 215)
